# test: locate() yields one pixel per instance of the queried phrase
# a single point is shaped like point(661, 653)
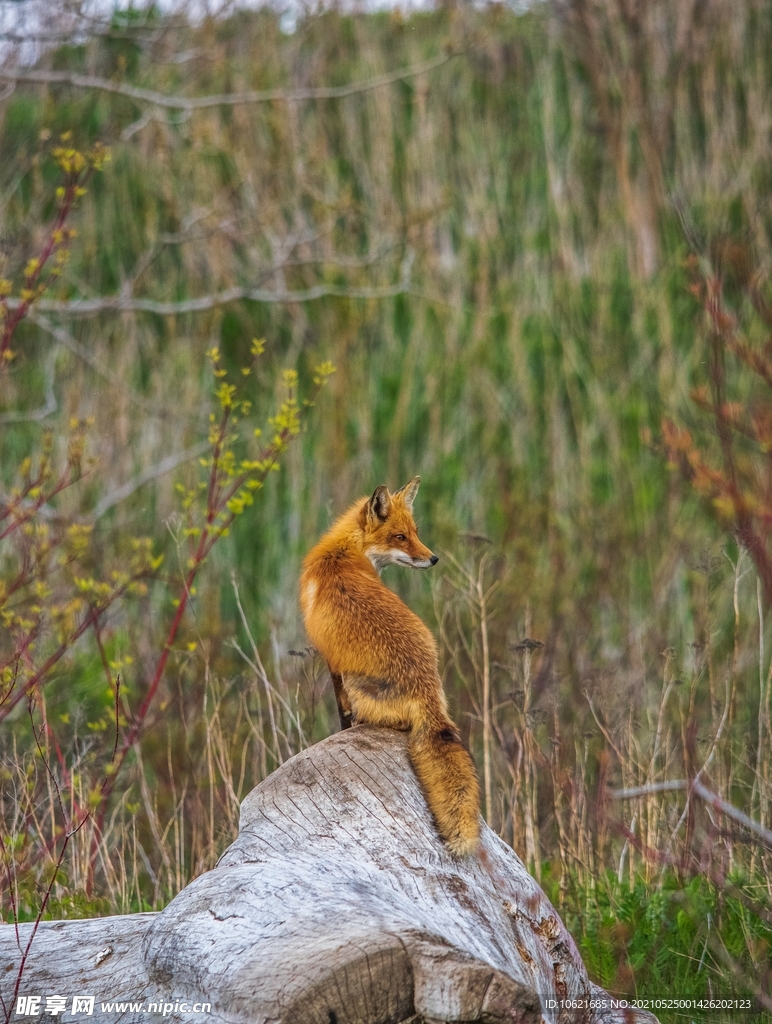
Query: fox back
point(352, 618)
point(382, 657)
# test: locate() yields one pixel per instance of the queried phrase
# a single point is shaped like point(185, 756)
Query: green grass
point(663, 939)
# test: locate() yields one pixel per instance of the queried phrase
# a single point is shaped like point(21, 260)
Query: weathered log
point(336, 904)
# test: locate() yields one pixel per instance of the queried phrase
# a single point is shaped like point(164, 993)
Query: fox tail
point(447, 775)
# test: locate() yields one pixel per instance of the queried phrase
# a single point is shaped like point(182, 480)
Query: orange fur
point(384, 655)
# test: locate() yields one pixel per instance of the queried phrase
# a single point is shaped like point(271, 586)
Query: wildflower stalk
point(78, 169)
point(228, 493)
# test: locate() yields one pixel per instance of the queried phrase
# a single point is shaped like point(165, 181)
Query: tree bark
point(336, 904)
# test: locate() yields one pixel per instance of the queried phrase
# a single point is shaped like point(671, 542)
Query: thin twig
point(190, 103)
point(65, 339)
point(127, 304)
point(702, 791)
point(164, 466)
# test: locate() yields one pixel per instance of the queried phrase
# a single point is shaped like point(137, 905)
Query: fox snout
point(416, 561)
point(419, 557)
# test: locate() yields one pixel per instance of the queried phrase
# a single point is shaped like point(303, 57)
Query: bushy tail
point(447, 775)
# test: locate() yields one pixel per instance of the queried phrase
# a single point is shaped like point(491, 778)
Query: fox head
point(389, 532)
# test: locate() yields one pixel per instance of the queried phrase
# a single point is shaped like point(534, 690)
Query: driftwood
point(337, 904)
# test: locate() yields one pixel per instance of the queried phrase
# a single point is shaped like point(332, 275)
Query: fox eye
point(399, 536)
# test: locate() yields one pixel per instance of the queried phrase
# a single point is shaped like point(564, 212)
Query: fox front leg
point(344, 705)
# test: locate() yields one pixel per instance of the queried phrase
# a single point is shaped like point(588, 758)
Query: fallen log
point(336, 904)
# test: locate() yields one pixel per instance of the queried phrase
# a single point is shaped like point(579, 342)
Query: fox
point(383, 658)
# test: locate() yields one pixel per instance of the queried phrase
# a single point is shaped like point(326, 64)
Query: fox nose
point(434, 559)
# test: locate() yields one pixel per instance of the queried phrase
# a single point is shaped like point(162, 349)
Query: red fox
point(382, 658)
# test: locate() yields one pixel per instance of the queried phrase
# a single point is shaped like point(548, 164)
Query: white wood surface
point(337, 904)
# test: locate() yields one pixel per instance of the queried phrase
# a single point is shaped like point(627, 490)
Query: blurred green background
point(503, 243)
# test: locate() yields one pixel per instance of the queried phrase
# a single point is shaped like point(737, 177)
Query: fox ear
point(379, 505)
point(409, 491)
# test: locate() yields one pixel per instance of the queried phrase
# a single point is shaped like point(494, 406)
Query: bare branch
point(705, 794)
point(164, 466)
point(136, 126)
point(670, 785)
point(125, 303)
point(189, 103)
point(48, 512)
point(732, 812)
point(64, 338)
